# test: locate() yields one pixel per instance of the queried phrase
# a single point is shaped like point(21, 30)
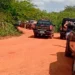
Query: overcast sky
point(53, 5)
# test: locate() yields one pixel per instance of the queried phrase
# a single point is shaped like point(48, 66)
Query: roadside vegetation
point(12, 11)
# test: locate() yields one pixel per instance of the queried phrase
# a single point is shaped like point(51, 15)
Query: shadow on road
point(56, 37)
point(39, 37)
point(32, 36)
point(63, 65)
point(60, 46)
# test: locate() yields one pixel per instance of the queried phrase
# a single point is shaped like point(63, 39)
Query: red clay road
point(26, 55)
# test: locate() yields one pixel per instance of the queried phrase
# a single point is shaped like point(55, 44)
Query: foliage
point(13, 10)
point(7, 29)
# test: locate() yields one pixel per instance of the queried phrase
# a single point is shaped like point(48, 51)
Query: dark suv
point(43, 28)
point(63, 30)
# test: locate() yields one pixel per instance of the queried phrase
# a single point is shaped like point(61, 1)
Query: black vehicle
point(43, 28)
point(30, 23)
point(63, 30)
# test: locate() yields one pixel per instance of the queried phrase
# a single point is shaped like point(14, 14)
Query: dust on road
point(26, 55)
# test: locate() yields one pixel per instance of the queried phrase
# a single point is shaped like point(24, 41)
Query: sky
point(53, 5)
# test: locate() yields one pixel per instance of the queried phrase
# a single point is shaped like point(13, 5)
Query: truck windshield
point(44, 23)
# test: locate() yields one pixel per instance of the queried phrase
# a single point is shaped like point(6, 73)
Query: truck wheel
point(61, 37)
point(35, 35)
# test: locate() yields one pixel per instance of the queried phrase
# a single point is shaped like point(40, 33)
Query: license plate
point(42, 32)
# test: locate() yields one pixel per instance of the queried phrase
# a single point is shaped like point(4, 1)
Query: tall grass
point(7, 29)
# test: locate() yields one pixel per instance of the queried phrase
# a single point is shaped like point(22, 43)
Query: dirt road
point(26, 55)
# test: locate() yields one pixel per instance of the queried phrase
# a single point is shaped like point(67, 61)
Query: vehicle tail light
point(51, 27)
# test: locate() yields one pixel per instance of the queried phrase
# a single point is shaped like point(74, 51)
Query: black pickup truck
point(63, 30)
point(43, 28)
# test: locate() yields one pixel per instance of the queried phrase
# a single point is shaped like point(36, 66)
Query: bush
point(7, 29)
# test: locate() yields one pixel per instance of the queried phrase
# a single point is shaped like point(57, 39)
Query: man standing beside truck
point(69, 26)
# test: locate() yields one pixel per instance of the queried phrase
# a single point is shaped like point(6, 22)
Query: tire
point(68, 52)
point(61, 37)
point(35, 35)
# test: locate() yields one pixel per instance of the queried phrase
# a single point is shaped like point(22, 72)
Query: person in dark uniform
point(69, 26)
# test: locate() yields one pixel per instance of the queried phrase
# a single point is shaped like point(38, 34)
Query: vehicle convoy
point(20, 24)
point(63, 29)
point(70, 47)
point(43, 28)
point(30, 23)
